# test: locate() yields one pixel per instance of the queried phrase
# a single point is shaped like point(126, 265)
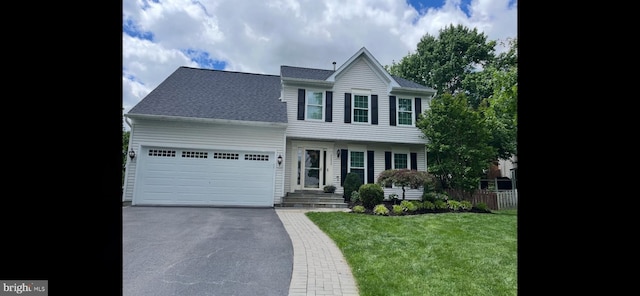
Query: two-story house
point(221, 138)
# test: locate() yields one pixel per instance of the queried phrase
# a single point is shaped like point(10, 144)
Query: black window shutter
point(370, 167)
point(418, 108)
point(392, 110)
point(329, 107)
point(343, 165)
point(414, 161)
point(374, 109)
point(387, 160)
point(300, 104)
point(347, 108)
point(387, 163)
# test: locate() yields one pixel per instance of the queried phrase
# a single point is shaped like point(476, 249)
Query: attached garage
point(225, 177)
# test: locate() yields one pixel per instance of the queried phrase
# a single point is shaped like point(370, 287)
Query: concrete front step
point(313, 199)
point(288, 204)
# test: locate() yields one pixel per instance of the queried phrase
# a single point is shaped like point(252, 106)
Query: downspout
point(284, 167)
point(126, 177)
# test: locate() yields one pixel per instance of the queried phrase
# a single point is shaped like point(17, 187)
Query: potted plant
point(329, 189)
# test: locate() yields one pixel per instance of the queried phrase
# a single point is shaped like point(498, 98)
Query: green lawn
point(431, 254)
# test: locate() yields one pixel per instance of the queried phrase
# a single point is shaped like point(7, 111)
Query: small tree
point(404, 177)
point(351, 183)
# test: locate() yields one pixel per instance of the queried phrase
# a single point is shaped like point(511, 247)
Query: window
point(405, 111)
point(400, 161)
point(361, 108)
point(314, 104)
point(357, 164)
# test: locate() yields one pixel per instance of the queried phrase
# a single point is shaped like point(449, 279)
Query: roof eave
point(411, 90)
point(290, 80)
point(207, 120)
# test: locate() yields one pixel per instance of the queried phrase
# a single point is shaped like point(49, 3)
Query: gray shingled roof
point(319, 74)
point(216, 94)
point(304, 73)
point(407, 83)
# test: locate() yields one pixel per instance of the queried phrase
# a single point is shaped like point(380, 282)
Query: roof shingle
point(216, 94)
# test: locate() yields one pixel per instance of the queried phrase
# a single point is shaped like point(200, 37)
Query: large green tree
point(500, 112)
point(444, 61)
point(458, 147)
point(479, 85)
point(460, 60)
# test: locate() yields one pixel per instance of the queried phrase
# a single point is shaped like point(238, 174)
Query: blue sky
point(259, 36)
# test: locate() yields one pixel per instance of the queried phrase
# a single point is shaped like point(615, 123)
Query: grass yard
point(471, 254)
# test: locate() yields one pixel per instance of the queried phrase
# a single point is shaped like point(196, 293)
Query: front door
point(311, 168)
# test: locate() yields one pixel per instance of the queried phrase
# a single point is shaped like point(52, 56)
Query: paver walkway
point(319, 268)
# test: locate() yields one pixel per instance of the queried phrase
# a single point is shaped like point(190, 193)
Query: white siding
point(204, 136)
point(379, 165)
point(361, 76)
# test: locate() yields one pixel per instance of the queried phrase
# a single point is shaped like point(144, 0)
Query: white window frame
point(307, 104)
point(393, 160)
point(364, 163)
point(413, 110)
point(353, 107)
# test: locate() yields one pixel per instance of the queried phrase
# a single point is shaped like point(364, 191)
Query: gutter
point(126, 119)
point(209, 120)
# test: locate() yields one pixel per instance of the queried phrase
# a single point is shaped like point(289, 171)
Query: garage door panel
point(209, 178)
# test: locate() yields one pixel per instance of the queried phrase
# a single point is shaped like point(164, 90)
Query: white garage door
point(169, 176)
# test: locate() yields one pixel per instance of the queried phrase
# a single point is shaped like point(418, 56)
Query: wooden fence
point(495, 200)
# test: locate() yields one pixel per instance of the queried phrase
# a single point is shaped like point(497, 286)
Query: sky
point(258, 36)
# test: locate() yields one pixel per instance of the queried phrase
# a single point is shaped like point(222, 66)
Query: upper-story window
point(361, 108)
point(405, 111)
point(315, 104)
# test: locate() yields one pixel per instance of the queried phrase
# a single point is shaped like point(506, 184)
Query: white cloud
point(259, 36)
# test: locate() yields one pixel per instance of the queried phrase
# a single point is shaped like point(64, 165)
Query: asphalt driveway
point(205, 251)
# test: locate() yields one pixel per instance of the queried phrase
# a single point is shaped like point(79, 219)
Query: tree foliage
point(443, 62)
point(476, 105)
point(458, 145)
point(404, 178)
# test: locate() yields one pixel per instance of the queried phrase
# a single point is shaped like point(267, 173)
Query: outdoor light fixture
point(279, 160)
point(132, 154)
point(338, 153)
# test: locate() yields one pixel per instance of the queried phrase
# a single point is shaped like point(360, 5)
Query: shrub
point(441, 205)
point(427, 205)
point(355, 197)
point(482, 207)
point(358, 209)
point(430, 185)
point(429, 196)
point(466, 205)
point(393, 198)
point(371, 195)
point(381, 209)
point(329, 189)
point(454, 205)
point(408, 206)
point(351, 183)
point(419, 205)
point(397, 209)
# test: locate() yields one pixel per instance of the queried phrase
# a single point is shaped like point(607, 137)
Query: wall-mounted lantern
point(338, 153)
point(279, 160)
point(132, 154)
